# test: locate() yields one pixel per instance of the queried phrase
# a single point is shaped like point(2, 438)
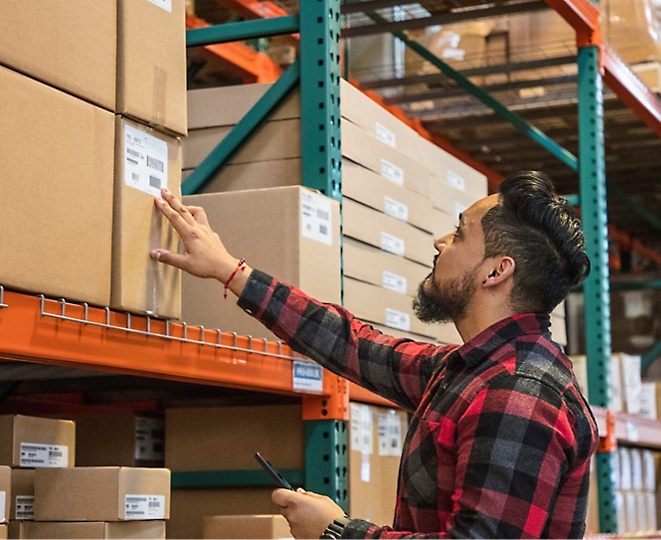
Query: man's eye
point(457, 232)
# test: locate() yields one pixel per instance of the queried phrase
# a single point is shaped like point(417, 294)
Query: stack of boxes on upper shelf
point(93, 102)
point(45, 494)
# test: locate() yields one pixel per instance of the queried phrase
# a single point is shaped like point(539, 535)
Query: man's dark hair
point(540, 232)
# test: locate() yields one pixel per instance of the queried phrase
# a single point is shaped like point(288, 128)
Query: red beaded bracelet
point(240, 266)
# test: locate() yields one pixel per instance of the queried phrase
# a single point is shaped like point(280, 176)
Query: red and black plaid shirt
point(501, 437)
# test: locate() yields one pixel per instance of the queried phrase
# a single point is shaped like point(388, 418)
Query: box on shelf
point(22, 494)
point(580, 365)
point(4, 530)
point(146, 160)
point(448, 334)
point(125, 56)
point(30, 441)
point(93, 529)
point(289, 232)
point(56, 205)
point(631, 381)
point(246, 526)
point(559, 329)
point(5, 492)
point(451, 200)
point(648, 400)
point(196, 435)
point(101, 494)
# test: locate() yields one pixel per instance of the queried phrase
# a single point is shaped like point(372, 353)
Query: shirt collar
point(490, 339)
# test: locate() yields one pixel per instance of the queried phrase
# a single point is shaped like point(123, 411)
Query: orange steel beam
point(260, 365)
point(239, 59)
point(583, 16)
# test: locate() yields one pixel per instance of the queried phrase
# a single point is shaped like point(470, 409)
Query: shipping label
point(144, 507)
point(455, 180)
point(398, 319)
point(392, 172)
point(393, 282)
point(24, 508)
point(44, 455)
point(163, 4)
point(392, 244)
point(361, 429)
point(385, 135)
point(316, 217)
point(390, 434)
point(145, 161)
point(395, 209)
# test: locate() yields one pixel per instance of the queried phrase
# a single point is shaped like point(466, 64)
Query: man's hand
point(308, 513)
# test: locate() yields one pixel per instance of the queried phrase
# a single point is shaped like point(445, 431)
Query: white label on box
point(163, 4)
point(361, 429)
point(632, 431)
point(145, 161)
point(3, 501)
point(390, 434)
point(395, 209)
point(144, 507)
point(308, 377)
point(24, 507)
point(392, 244)
point(365, 472)
point(393, 282)
point(459, 208)
point(392, 172)
point(44, 455)
point(455, 180)
point(398, 319)
point(385, 135)
point(149, 438)
point(316, 217)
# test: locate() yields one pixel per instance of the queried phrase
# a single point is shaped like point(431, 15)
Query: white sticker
point(24, 507)
point(365, 472)
point(385, 135)
point(163, 4)
point(316, 217)
point(459, 208)
point(44, 455)
point(145, 161)
point(149, 439)
point(395, 209)
point(361, 429)
point(632, 431)
point(393, 282)
point(455, 180)
point(3, 501)
point(398, 319)
point(356, 439)
point(308, 377)
point(392, 172)
point(144, 507)
point(392, 244)
point(395, 434)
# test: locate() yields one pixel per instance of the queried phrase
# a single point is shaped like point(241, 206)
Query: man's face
point(445, 294)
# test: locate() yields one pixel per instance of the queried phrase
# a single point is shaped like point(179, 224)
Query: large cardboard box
point(22, 494)
point(146, 160)
point(29, 441)
point(101, 494)
point(56, 184)
point(5, 492)
point(290, 232)
point(93, 529)
point(246, 526)
point(122, 438)
point(226, 438)
point(124, 55)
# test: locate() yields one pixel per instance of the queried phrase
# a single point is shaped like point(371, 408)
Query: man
point(500, 441)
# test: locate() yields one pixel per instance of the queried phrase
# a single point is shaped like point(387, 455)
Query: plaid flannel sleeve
point(397, 369)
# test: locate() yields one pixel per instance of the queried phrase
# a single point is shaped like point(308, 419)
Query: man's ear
point(502, 272)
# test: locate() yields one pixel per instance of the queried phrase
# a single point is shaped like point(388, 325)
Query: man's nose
point(441, 242)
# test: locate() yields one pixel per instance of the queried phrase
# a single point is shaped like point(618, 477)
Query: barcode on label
point(132, 152)
point(154, 504)
point(155, 164)
point(54, 453)
point(130, 499)
point(322, 214)
point(323, 229)
point(135, 176)
point(155, 181)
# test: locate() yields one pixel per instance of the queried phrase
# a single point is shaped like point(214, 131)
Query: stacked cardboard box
point(246, 526)
point(67, 72)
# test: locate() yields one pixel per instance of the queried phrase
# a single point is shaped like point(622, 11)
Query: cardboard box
point(375, 304)
point(373, 265)
point(448, 334)
point(443, 223)
point(93, 529)
point(649, 471)
point(22, 494)
point(446, 197)
point(559, 329)
point(126, 56)
point(648, 400)
point(123, 438)
point(190, 506)
point(146, 160)
point(196, 435)
point(30, 441)
point(631, 382)
point(101, 494)
point(288, 232)
point(56, 183)
point(5, 493)
point(4, 530)
point(246, 526)
point(580, 365)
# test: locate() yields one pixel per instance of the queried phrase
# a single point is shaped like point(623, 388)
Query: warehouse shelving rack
point(57, 332)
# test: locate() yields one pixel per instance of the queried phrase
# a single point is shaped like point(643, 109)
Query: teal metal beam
point(592, 183)
point(517, 121)
point(239, 478)
point(573, 199)
point(217, 158)
point(652, 355)
point(241, 31)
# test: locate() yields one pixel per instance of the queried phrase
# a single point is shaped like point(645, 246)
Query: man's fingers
point(199, 214)
point(167, 257)
point(177, 206)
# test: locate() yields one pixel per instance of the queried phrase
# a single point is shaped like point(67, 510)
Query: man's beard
point(447, 303)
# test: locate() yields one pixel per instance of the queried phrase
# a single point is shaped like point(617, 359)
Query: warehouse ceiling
point(538, 84)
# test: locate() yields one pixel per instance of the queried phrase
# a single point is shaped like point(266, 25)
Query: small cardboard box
point(93, 529)
point(22, 494)
point(290, 232)
point(246, 526)
point(30, 441)
point(4, 531)
point(146, 160)
point(5, 492)
point(101, 494)
point(56, 184)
